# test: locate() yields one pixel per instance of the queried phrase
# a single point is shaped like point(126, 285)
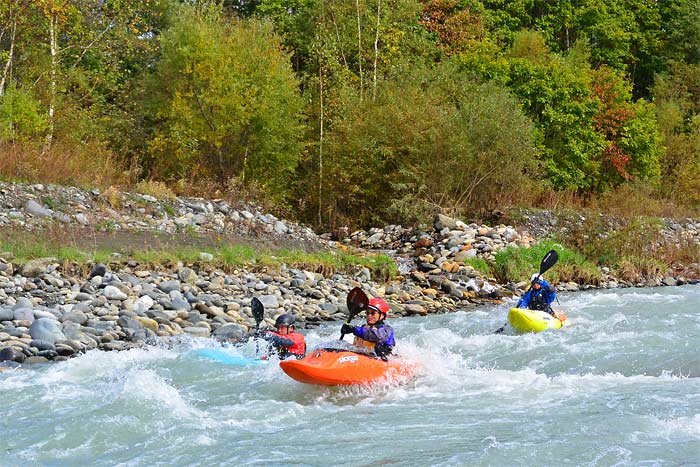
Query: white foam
point(98, 364)
point(204, 440)
point(672, 428)
point(147, 385)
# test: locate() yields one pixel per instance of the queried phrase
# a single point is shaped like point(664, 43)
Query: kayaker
point(540, 296)
point(285, 341)
point(376, 335)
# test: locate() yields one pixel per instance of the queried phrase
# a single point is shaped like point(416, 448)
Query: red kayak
point(331, 367)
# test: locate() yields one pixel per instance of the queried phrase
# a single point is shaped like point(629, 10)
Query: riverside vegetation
point(360, 113)
point(112, 270)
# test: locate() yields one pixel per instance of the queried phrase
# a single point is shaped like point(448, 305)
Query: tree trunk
point(376, 52)
point(320, 148)
point(359, 45)
point(8, 64)
point(53, 25)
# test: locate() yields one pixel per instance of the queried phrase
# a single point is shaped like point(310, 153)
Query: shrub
point(155, 188)
point(518, 264)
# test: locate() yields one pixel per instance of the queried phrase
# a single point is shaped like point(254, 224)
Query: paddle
point(258, 312)
point(357, 301)
point(549, 260)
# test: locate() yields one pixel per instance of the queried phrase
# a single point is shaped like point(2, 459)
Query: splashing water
point(620, 386)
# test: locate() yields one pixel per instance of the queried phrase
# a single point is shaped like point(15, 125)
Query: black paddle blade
point(258, 311)
point(357, 301)
point(549, 260)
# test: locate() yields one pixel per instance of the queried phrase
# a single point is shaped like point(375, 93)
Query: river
point(619, 387)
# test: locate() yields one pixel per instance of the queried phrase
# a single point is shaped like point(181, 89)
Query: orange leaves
point(54, 8)
point(617, 160)
point(456, 25)
point(615, 110)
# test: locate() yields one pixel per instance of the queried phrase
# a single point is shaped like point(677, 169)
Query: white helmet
point(534, 277)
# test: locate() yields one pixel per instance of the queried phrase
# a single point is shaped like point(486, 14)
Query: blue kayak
point(222, 356)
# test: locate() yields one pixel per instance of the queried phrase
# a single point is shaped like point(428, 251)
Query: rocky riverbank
point(50, 310)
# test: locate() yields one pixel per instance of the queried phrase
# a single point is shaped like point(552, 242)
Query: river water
point(619, 387)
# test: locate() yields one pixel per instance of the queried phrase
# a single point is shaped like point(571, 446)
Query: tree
point(226, 102)
point(595, 136)
point(21, 118)
point(681, 20)
point(677, 98)
point(437, 140)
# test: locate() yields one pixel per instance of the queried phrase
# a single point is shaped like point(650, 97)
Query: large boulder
point(11, 354)
point(231, 331)
point(6, 314)
point(269, 301)
point(36, 267)
point(45, 329)
point(441, 221)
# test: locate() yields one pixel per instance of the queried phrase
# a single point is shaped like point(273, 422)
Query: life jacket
point(298, 347)
point(538, 301)
point(369, 345)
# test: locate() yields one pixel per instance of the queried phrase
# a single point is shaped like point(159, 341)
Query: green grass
point(25, 248)
point(480, 265)
point(227, 257)
point(518, 264)
point(237, 255)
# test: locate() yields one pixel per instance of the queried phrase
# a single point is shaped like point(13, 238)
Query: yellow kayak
point(524, 320)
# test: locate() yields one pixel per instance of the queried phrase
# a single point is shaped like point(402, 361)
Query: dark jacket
point(540, 299)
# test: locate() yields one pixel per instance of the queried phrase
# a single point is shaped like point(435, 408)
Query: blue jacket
point(540, 299)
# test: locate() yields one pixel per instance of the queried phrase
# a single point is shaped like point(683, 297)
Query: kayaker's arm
point(524, 300)
point(277, 340)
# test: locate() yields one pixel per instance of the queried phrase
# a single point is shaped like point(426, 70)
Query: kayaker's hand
point(268, 336)
point(382, 351)
point(347, 329)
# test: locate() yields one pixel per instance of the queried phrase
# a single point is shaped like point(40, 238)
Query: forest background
point(360, 112)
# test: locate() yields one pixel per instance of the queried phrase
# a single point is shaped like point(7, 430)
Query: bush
point(515, 264)
point(89, 165)
point(226, 101)
point(154, 188)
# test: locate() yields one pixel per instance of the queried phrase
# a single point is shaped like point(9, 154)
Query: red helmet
point(380, 305)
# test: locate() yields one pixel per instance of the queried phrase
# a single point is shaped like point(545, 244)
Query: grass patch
point(237, 255)
point(155, 188)
point(634, 250)
point(518, 264)
point(88, 164)
point(170, 256)
point(635, 269)
point(25, 247)
point(479, 264)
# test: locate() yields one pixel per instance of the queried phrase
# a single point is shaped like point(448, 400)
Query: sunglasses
point(372, 312)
